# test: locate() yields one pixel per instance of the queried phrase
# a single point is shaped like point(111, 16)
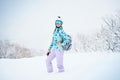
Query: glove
point(48, 52)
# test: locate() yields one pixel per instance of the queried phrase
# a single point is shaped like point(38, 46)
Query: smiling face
point(58, 25)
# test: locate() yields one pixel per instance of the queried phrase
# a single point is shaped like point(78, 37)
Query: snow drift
point(78, 66)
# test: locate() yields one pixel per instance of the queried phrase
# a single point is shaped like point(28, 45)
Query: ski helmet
point(58, 21)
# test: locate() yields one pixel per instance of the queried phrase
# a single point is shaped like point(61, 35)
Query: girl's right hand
point(48, 52)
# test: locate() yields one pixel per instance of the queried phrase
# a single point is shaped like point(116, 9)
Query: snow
point(78, 66)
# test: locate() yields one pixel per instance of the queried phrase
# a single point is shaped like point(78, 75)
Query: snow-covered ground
point(78, 66)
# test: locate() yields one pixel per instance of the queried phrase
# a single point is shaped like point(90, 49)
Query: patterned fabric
point(57, 37)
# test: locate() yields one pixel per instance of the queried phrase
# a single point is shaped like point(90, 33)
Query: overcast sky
point(31, 22)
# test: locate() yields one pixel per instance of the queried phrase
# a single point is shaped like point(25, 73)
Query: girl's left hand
point(59, 43)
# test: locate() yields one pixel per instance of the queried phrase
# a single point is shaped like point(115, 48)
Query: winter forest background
point(16, 39)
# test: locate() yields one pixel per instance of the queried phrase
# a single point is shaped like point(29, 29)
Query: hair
point(56, 27)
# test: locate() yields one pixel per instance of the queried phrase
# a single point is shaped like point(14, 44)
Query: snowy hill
point(78, 66)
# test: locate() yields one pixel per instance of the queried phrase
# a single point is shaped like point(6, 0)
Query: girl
point(56, 47)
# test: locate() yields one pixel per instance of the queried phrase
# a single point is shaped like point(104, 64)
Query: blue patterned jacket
point(58, 35)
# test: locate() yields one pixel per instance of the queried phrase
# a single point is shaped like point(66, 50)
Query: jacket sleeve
point(51, 45)
point(65, 36)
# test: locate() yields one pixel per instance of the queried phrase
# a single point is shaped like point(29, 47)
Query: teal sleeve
point(65, 36)
point(51, 45)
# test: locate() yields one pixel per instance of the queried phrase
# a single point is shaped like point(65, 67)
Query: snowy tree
point(15, 50)
point(84, 43)
point(4, 46)
point(111, 33)
point(12, 50)
point(108, 39)
point(80, 43)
